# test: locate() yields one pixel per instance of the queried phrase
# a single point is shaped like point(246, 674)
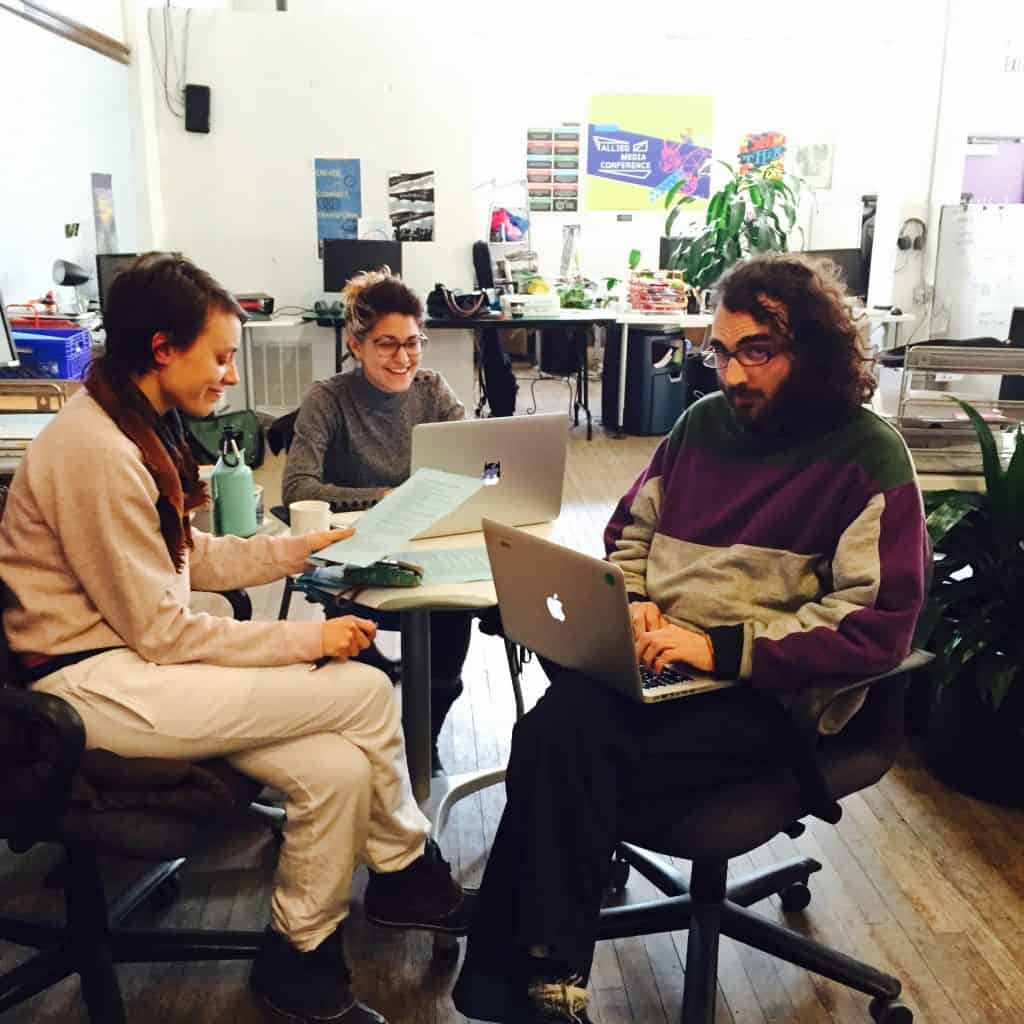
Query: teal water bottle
point(234, 503)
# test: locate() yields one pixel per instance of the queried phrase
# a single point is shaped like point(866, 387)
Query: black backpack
point(499, 382)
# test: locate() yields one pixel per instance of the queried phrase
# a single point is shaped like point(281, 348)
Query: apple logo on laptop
point(555, 608)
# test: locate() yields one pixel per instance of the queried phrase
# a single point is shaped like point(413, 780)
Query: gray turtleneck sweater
point(353, 441)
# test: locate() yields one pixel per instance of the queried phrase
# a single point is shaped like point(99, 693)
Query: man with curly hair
point(776, 537)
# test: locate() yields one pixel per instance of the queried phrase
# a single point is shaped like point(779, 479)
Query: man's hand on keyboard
point(645, 616)
point(656, 648)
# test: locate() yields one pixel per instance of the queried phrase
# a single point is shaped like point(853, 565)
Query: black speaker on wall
point(197, 108)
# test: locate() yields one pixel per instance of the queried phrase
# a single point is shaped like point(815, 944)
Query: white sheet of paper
point(424, 498)
point(450, 565)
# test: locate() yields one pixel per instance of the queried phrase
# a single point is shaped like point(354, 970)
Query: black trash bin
point(655, 383)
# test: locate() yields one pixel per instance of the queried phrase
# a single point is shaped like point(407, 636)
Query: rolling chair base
point(91, 941)
point(708, 906)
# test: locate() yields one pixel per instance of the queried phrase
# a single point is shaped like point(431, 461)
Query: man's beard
point(767, 415)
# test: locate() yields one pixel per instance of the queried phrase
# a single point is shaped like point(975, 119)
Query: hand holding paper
point(386, 528)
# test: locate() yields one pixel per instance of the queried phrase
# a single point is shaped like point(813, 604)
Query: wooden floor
point(918, 880)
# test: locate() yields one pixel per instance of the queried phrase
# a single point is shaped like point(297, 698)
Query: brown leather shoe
point(423, 895)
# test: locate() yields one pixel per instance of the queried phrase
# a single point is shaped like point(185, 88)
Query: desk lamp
point(70, 274)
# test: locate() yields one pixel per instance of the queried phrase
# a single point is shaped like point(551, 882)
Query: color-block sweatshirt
point(801, 556)
point(85, 566)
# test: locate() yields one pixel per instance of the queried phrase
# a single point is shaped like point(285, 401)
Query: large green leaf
point(756, 195)
point(672, 192)
point(942, 519)
point(716, 206)
point(671, 219)
point(737, 213)
point(995, 482)
point(1015, 481)
point(996, 675)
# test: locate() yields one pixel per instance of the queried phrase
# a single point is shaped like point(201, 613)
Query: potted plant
point(752, 212)
point(973, 623)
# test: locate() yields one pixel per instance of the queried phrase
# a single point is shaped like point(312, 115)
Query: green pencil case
point(385, 573)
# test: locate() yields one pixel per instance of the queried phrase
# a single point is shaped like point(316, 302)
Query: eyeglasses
point(756, 354)
point(389, 347)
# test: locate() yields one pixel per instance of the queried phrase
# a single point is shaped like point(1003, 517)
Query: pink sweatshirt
point(85, 564)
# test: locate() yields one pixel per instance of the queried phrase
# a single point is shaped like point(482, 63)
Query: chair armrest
point(807, 708)
point(806, 712)
point(45, 730)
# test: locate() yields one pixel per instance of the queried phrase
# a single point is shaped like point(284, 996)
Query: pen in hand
point(320, 662)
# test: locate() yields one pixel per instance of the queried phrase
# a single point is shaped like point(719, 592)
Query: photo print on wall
point(411, 205)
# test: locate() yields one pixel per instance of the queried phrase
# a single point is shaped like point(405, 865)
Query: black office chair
point(739, 817)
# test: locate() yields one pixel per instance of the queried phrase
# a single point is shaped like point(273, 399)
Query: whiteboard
point(979, 275)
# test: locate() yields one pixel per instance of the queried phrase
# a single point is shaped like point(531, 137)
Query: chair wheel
point(165, 893)
point(618, 876)
point(890, 1011)
point(795, 897)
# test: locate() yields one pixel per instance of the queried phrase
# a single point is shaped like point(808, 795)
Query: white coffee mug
point(309, 516)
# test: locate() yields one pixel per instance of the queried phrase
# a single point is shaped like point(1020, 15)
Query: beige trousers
point(330, 740)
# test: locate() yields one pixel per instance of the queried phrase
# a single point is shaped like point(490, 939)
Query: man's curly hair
point(833, 368)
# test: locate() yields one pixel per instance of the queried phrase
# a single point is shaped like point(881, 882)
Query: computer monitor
point(346, 257)
point(8, 353)
point(108, 266)
point(852, 268)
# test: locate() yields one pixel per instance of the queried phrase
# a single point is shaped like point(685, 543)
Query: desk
point(563, 318)
point(247, 328)
point(414, 605)
point(885, 319)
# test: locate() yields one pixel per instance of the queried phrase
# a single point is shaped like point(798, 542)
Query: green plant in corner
point(751, 213)
point(973, 617)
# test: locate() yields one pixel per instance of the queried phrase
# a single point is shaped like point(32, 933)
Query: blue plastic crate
point(58, 353)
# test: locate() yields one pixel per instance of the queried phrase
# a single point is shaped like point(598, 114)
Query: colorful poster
point(103, 213)
point(553, 168)
point(764, 151)
point(411, 205)
point(339, 199)
point(639, 147)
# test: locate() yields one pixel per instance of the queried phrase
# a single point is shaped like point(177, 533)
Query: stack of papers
point(388, 527)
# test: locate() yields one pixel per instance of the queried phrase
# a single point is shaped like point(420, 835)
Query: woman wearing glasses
point(353, 438)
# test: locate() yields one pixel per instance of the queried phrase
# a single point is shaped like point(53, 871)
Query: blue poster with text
point(339, 198)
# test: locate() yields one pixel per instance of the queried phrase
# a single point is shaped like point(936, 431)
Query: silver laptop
point(573, 609)
point(521, 460)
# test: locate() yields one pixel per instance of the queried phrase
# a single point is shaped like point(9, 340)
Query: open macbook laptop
point(521, 459)
point(573, 609)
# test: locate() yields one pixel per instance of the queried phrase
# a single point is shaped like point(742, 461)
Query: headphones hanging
point(912, 241)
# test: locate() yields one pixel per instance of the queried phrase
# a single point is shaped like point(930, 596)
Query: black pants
point(587, 769)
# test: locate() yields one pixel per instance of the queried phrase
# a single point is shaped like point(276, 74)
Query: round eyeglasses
point(389, 347)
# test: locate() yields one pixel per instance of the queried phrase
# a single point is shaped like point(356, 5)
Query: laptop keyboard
point(668, 676)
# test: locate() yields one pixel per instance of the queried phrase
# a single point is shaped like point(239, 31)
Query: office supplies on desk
point(408, 510)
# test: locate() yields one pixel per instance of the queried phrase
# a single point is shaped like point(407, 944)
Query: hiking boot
point(423, 895)
point(307, 988)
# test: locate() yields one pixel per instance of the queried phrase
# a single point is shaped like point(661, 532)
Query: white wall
point(66, 112)
point(405, 92)
point(789, 74)
point(287, 88)
point(979, 95)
